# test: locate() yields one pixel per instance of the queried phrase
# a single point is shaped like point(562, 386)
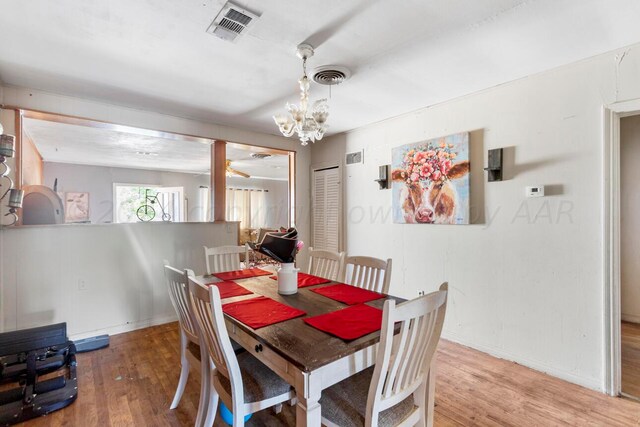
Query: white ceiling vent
point(232, 22)
point(330, 74)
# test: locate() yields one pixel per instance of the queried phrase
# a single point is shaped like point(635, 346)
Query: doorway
point(612, 242)
point(629, 255)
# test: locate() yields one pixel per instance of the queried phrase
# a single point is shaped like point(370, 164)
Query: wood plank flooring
point(631, 359)
point(132, 382)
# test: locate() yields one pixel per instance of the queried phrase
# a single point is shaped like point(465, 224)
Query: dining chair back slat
point(404, 357)
point(225, 258)
point(210, 320)
point(327, 264)
point(178, 284)
point(369, 273)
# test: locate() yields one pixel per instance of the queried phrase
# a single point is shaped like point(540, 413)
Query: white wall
point(630, 218)
point(98, 278)
point(99, 180)
point(526, 281)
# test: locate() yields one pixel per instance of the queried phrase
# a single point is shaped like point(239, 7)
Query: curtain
point(258, 209)
point(203, 204)
point(247, 206)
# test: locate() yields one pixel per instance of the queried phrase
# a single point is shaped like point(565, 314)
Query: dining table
point(307, 358)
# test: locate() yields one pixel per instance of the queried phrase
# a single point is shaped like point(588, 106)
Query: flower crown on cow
point(428, 162)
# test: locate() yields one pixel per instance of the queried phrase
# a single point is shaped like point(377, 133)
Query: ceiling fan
point(232, 171)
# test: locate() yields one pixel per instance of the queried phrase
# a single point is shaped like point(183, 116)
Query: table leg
point(308, 411)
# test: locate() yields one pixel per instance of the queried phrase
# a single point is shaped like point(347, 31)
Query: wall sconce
point(495, 165)
point(383, 177)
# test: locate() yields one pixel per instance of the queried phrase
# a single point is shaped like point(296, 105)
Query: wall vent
point(354, 158)
point(232, 22)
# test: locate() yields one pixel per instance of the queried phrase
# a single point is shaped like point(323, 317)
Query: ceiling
point(156, 55)
point(71, 143)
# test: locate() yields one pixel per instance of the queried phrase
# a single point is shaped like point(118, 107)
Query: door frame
point(611, 241)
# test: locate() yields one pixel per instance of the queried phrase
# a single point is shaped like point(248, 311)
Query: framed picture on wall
point(76, 207)
point(431, 181)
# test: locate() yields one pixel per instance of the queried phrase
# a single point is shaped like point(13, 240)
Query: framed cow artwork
point(430, 181)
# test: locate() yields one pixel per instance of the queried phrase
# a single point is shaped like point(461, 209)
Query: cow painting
point(430, 181)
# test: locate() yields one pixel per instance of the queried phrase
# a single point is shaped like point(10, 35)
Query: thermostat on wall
point(535, 191)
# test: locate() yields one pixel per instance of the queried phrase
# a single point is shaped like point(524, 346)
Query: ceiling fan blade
point(237, 172)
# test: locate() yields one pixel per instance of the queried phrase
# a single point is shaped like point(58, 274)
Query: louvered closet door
point(326, 209)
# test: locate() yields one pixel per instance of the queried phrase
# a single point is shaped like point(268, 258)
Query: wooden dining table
point(305, 357)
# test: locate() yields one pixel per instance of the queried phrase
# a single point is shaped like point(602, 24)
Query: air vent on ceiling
point(232, 22)
point(260, 155)
point(330, 74)
point(354, 158)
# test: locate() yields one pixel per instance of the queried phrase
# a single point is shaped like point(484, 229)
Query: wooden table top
point(302, 345)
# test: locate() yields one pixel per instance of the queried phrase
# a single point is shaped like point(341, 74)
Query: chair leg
point(293, 402)
point(212, 407)
point(238, 417)
point(424, 398)
point(204, 405)
point(419, 400)
point(182, 382)
point(277, 408)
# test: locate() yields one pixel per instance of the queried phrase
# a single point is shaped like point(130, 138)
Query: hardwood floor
point(631, 359)
point(132, 382)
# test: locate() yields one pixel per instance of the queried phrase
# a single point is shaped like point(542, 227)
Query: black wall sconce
point(495, 165)
point(383, 177)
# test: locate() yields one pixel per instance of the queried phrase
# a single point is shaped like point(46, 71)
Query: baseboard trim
point(127, 327)
point(631, 318)
point(591, 383)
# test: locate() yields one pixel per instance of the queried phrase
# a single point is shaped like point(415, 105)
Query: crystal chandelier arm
point(285, 124)
point(309, 125)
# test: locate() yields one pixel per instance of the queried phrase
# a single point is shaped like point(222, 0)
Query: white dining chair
point(327, 264)
point(244, 384)
point(191, 352)
point(225, 258)
point(398, 390)
point(367, 272)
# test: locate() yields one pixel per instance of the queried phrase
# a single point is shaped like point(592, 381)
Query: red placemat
point(261, 311)
point(305, 280)
point(348, 294)
point(349, 323)
point(242, 274)
point(230, 289)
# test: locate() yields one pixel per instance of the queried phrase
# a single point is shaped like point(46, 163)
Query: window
point(143, 203)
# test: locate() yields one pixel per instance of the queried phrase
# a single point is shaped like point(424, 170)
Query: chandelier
point(309, 125)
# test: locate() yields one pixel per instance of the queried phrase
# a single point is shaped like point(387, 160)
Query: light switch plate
point(535, 191)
